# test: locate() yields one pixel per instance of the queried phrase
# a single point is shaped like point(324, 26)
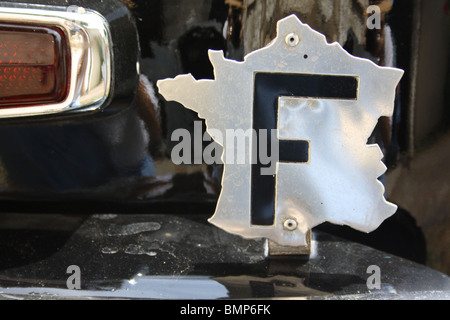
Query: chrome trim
point(89, 43)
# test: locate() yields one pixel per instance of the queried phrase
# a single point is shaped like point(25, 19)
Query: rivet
point(290, 224)
point(292, 39)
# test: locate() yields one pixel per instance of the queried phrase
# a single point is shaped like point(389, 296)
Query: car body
point(94, 186)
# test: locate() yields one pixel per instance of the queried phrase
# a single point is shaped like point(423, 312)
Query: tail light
point(34, 64)
point(53, 61)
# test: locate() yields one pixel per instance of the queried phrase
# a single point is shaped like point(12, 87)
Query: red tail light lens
point(53, 60)
point(34, 66)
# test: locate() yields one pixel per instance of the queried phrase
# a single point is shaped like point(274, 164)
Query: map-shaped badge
point(306, 109)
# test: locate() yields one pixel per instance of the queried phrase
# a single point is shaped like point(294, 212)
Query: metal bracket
point(278, 250)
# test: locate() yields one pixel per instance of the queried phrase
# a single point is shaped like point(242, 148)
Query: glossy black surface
point(184, 257)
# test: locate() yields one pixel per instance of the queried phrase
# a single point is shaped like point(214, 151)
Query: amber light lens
point(33, 66)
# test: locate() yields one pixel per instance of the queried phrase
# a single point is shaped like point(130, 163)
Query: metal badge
point(309, 105)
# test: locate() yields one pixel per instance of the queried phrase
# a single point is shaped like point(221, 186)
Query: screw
point(290, 224)
point(292, 39)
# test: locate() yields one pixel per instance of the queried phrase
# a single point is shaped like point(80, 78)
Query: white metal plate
point(339, 182)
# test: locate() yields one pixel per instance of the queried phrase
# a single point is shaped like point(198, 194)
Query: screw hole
point(305, 56)
point(290, 224)
point(292, 40)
